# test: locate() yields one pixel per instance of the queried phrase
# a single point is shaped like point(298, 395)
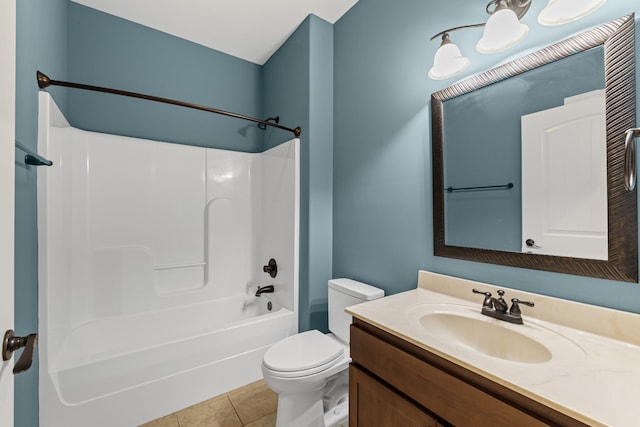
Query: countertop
point(599, 384)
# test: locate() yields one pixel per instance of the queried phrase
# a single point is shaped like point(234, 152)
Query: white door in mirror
point(564, 179)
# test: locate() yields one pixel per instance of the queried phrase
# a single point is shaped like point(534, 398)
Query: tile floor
point(253, 405)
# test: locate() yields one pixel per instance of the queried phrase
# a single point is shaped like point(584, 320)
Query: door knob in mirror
point(532, 244)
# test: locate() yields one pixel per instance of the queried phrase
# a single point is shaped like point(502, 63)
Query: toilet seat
point(303, 354)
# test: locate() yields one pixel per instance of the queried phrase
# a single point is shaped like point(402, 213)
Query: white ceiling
point(249, 29)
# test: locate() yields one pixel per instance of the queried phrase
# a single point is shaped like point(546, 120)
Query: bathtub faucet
point(264, 290)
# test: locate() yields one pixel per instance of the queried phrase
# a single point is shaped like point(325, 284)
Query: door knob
point(11, 343)
point(532, 244)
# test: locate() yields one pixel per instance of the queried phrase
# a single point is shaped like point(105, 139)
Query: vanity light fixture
point(504, 30)
point(560, 12)
point(448, 60)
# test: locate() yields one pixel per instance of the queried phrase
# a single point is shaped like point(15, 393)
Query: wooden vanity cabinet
point(376, 405)
point(395, 383)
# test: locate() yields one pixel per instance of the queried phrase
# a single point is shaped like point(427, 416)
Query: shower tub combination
point(150, 255)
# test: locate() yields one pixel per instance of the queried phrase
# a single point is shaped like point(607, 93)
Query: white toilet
point(309, 370)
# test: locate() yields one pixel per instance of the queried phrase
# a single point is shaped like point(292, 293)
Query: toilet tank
point(342, 294)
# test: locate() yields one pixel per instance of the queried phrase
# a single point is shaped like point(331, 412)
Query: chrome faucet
point(497, 307)
point(264, 290)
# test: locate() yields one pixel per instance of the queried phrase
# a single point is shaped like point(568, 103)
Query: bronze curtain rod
point(44, 81)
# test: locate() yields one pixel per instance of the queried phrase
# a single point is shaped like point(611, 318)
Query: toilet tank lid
point(356, 289)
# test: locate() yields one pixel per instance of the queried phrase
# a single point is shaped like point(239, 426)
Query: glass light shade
point(502, 31)
point(559, 12)
point(448, 61)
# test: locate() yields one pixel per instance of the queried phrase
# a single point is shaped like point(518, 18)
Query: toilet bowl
point(299, 371)
point(309, 370)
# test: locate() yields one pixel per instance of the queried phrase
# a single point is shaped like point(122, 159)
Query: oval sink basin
point(491, 339)
point(467, 329)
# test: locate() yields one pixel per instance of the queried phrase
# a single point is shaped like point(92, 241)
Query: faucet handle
point(487, 297)
point(515, 306)
point(271, 268)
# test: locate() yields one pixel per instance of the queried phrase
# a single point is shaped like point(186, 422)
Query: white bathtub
point(149, 255)
point(145, 366)
point(112, 355)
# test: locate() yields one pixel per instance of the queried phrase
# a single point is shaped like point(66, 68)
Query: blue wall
point(382, 209)
point(298, 85)
point(382, 145)
point(41, 44)
point(108, 51)
point(320, 190)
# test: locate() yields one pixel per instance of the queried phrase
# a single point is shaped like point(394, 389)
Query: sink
point(485, 337)
point(468, 330)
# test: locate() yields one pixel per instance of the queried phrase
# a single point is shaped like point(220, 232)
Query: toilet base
point(308, 411)
point(300, 409)
point(338, 416)
point(326, 405)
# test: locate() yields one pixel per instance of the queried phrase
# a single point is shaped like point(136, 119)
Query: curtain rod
point(44, 81)
point(31, 157)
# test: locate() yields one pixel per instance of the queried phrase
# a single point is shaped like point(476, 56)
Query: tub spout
point(264, 290)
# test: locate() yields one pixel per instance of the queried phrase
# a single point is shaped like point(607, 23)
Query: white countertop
point(598, 384)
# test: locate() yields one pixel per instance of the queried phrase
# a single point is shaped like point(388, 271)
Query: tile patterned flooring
point(253, 405)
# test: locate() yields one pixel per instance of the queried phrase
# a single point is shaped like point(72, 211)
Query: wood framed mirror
point(484, 197)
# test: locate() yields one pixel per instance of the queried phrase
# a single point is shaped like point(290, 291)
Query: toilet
point(309, 370)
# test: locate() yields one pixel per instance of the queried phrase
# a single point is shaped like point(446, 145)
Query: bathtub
point(149, 256)
point(145, 366)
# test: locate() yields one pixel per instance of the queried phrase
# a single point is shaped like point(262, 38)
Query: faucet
point(264, 290)
point(497, 307)
point(271, 268)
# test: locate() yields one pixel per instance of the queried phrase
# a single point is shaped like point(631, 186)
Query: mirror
point(528, 159)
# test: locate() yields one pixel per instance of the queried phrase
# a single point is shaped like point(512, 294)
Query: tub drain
point(269, 306)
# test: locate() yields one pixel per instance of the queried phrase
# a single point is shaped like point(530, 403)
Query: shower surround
point(150, 255)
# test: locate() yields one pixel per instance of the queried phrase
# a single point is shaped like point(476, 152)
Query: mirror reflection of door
point(564, 171)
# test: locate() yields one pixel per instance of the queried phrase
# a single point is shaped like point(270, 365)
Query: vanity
point(428, 357)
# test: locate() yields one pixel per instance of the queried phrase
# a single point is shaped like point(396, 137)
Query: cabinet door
point(372, 404)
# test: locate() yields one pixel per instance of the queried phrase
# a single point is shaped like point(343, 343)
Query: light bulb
point(502, 31)
point(448, 61)
point(559, 12)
